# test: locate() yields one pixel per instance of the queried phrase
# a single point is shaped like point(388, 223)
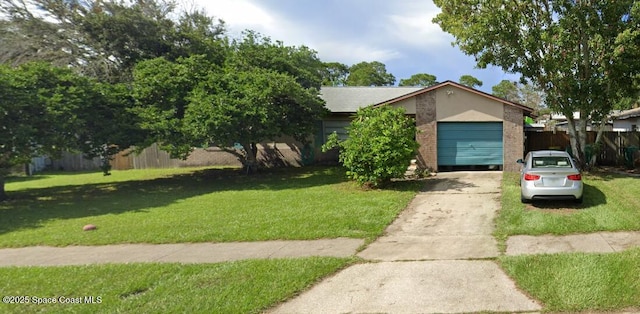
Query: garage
point(469, 144)
point(462, 128)
point(459, 127)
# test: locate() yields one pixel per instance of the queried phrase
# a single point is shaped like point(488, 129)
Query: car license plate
point(553, 181)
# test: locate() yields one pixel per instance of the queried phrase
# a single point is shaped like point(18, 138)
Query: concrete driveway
point(432, 259)
point(451, 219)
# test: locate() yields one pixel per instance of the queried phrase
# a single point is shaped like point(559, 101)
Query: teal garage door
point(469, 143)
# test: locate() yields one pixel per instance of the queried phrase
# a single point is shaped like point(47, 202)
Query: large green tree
point(508, 90)
point(369, 74)
point(420, 79)
point(525, 94)
point(104, 38)
point(334, 74)
point(107, 124)
point(39, 113)
point(583, 55)
point(469, 80)
point(257, 51)
point(264, 90)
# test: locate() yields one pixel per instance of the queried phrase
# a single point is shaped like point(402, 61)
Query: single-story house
point(458, 126)
point(627, 121)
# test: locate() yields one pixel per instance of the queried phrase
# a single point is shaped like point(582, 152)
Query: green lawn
point(203, 205)
point(611, 203)
point(578, 281)
point(185, 205)
point(236, 287)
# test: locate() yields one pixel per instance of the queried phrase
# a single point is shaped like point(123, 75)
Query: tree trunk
point(578, 138)
point(3, 194)
point(251, 157)
point(597, 144)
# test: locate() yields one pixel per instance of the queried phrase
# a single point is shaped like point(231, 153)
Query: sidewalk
point(176, 253)
point(601, 242)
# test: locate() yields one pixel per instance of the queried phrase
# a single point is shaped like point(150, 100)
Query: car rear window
point(551, 162)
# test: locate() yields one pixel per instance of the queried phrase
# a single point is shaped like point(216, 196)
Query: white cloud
point(354, 52)
point(413, 25)
point(417, 30)
point(327, 39)
point(400, 34)
point(240, 15)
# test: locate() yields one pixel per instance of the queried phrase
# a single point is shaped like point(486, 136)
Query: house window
point(338, 126)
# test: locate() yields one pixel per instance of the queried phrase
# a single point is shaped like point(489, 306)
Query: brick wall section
point(512, 138)
point(427, 135)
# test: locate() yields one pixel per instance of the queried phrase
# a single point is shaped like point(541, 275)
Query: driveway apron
point(451, 219)
point(432, 258)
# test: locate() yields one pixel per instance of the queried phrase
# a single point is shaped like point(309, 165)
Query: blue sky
point(398, 33)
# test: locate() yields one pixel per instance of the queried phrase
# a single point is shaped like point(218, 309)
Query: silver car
point(549, 175)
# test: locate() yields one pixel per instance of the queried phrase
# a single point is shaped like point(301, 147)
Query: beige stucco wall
point(457, 105)
point(408, 104)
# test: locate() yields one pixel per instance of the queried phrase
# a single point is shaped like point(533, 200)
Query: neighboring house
point(561, 123)
point(535, 127)
point(459, 126)
point(626, 121)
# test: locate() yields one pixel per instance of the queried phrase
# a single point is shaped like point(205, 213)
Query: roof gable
point(524, 108)
point(348, 99)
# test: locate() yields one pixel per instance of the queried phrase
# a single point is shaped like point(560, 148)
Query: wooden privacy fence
point(269, 155)
point(150, 157)
point(613, 144)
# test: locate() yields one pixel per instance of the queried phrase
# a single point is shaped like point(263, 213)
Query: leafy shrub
point(380, 145)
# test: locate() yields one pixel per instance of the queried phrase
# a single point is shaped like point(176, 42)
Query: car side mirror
point(520, 161)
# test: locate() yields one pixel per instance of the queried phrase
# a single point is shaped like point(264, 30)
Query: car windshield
point(551, 162)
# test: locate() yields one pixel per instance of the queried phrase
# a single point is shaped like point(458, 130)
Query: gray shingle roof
point(350, 99)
